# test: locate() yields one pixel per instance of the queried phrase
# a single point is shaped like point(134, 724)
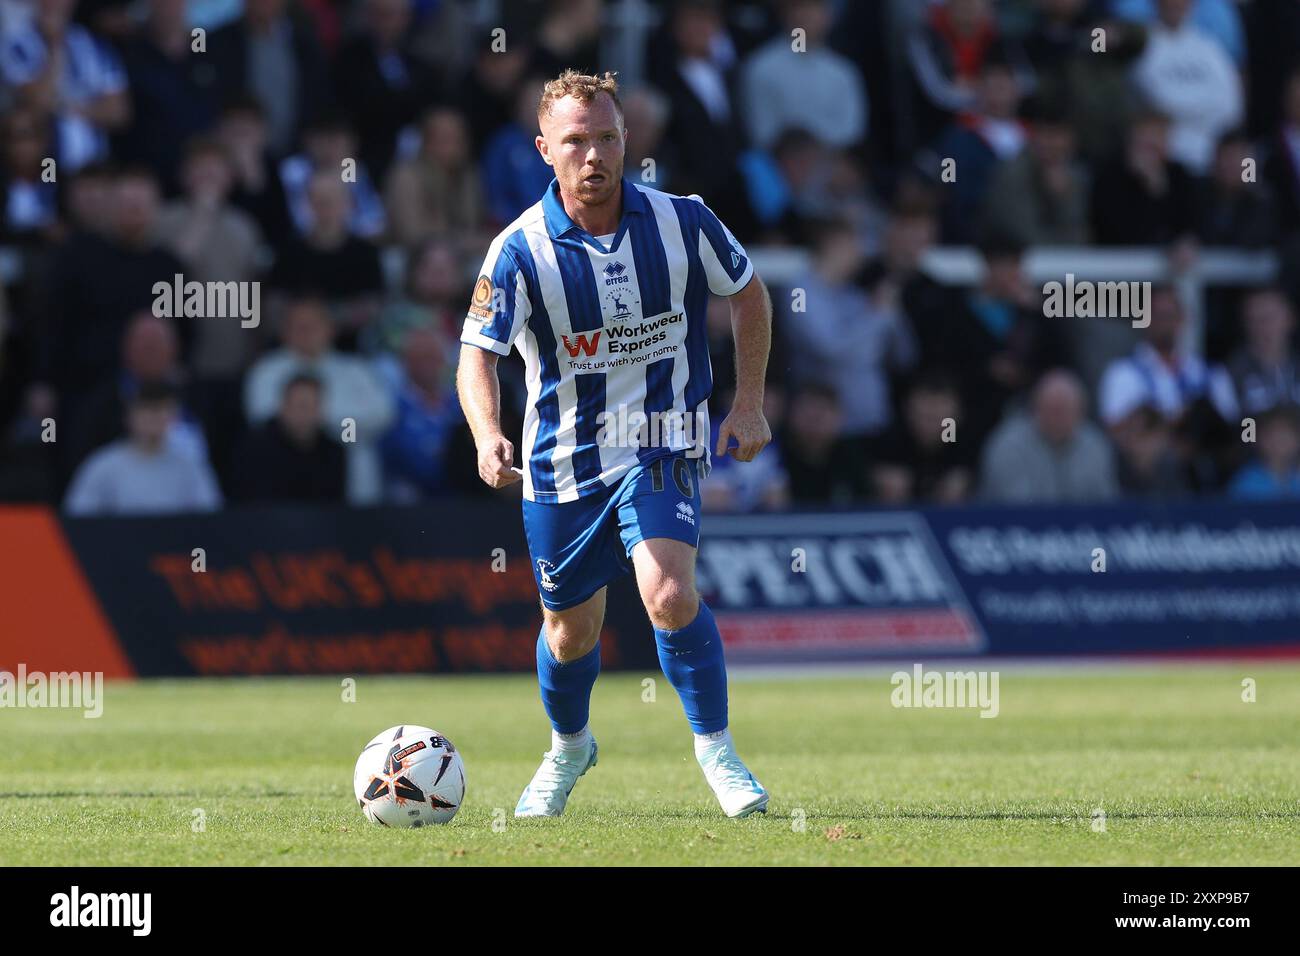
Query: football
point(409, 776)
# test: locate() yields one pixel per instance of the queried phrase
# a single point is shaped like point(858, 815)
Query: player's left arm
point(751, 326)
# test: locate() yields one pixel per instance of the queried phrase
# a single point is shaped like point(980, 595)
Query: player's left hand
point(749, 428)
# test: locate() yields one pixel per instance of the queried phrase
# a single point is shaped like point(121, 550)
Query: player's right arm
point(480, 397)
point(497, 313)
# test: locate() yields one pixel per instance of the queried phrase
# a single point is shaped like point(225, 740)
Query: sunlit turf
point(255, 772)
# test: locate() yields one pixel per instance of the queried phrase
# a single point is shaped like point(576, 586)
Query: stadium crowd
point(219, 159)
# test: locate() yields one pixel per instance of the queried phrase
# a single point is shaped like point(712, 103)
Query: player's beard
point(597, 194)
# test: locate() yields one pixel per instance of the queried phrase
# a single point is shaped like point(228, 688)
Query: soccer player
point(603, 288)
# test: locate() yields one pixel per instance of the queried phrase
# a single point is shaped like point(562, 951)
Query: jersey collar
point(558, 223)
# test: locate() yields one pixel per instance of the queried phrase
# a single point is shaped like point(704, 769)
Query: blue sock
point(693, 663)
point(566, 688)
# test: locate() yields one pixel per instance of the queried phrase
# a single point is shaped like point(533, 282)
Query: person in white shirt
point(352, 390)
point(1185, 74)
point(144, 473)
point(816, 88)
point(1162, 373)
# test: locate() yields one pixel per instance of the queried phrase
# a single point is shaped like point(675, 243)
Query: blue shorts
point(577, 547)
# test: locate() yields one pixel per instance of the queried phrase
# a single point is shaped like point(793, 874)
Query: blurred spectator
point(694, 63)
point(1281, 168)
point(1041, 196)
point(60, 70)
point(1274, 474)
point(150, 355)
point(569, 35)
point(758, 485)
point(1149, 463)
point(257, 188)
point(650, 159)
point(172, 89)
point(291, 457)
point(1229, 210)
point(434, 297)
point(909, 235)
point(352, 392)
point(988, 135)
point(331, 147)
point(948, 51)
point(97, 285)
point(30, 208)
point(997, 339)
point(1060, 33)
point(514, 174)
point(144, 473)
point(1097, 89)
point(439, 190)
point(1052, 453)
point(88, 200)
point(812, 86)
point(823, 466)
point(1162, 372)
point(1217, 19)
point(920, 459)
point(331, 262)
point(1263, 370)
point(485, 97)
point(1186, 75)
point(415, 450)
point(272, 53)
point(1143, 198)
point(788, 189)
point(216, 243)
point(1195, 397)
point(381, 83)
point(849, 339)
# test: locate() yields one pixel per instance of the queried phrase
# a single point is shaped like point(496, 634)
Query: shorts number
point(682, 477)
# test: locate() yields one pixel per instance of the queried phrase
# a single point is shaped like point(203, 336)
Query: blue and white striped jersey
point(609, 334)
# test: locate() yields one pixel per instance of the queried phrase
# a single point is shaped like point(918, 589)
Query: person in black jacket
point(1144, 198)
point(272, 53)
point(290, 457)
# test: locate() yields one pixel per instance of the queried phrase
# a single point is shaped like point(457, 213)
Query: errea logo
point(615, 274)
point(686, 513)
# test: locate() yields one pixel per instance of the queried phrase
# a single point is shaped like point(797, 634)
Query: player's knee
point(671, 604)
point(570, 637)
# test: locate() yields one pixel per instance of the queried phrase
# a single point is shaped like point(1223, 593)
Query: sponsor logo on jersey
point(481, 303)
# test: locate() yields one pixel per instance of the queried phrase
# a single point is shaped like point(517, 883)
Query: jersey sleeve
point(500, 305)
point(725, 261)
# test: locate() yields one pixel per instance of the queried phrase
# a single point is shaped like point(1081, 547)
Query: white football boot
point(548, 792)
point(734, 786)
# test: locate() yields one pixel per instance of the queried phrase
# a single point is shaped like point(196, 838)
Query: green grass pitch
point(1184, 770)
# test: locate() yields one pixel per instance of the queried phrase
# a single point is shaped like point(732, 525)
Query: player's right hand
point(496, 462)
